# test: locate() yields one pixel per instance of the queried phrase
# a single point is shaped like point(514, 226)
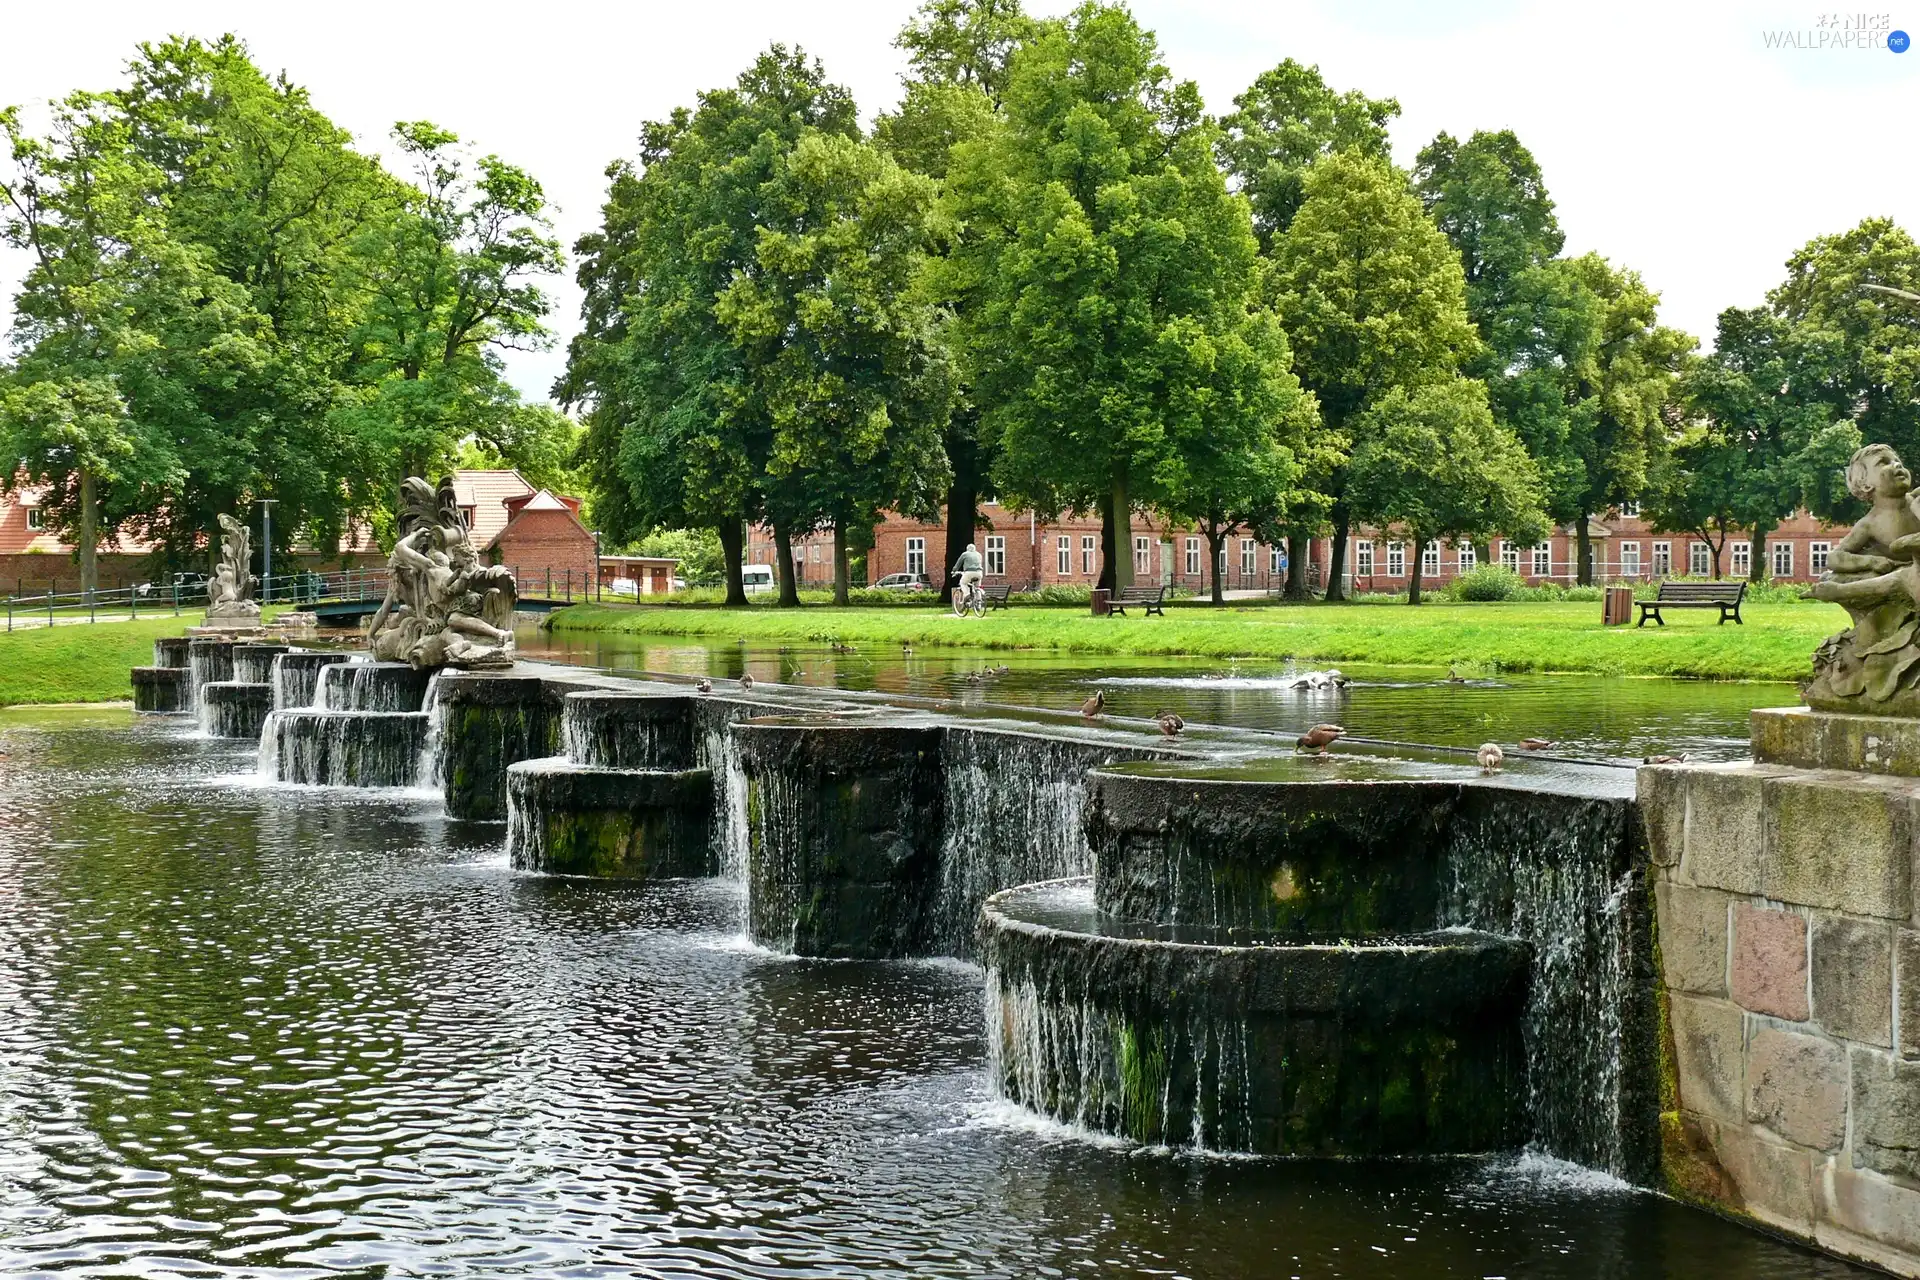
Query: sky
point(1697, 143)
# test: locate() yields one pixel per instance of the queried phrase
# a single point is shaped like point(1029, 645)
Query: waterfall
point(427, 771)
point(343, 748)
point(209, 664)
point(296, 677)
point(362, 685)
point(715, 750)
point(254, 663)
point(234, 708)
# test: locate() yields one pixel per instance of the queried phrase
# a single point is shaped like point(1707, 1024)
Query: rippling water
point(278, 1032)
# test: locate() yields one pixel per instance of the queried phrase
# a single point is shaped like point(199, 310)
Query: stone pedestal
point(487, 722)
point(161, 690)
point(170, 651)
point(235, 708)
point(253, 663)
point(1784, 891)
point(624, 824)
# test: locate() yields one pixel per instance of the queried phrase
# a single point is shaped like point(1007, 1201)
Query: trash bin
point(1617, 609)
point(1102, 602)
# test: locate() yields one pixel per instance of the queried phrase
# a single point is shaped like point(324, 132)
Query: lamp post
point(266, 549)
point(596, 563)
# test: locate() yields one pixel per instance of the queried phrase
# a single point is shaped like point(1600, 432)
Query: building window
point(1630, 510)
point(917, 555)
point(1193, 557)
point(1396, 559)
point(1468, 557)
point(1087, 545)
point(1063, 555)
point(813, 553)
point(1246, 557)
point(36, 519)
point(1742, 558)
point(1142, 555)
point(997, 555)
point(1817, 557)
point(1363, 558)
point(1277, 560)
point(1629, 559)
point(1430, 560)
point(1509, 555)
point(1543, 559)
point(1663, 559)
point(1699, 559)
point(1782, 553)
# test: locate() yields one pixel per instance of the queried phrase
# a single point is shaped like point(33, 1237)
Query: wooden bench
point(997, 596)
point(1724, 596)
point(1150, 599)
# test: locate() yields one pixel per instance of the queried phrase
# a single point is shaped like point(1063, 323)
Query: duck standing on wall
point(703, 685)
point(1170, 723)
point(1319, 738)
point(1490, 757)
point(1094, 706)
point(746, 683)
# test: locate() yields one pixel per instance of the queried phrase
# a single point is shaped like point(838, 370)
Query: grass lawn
point(1777, 642)
point(82, 662)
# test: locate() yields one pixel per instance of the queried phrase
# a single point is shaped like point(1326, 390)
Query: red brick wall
point(545, 546)
point(29, 574)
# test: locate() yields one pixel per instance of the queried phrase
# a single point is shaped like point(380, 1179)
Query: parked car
point(756, 578)
point(623, 587)
point(904, 582)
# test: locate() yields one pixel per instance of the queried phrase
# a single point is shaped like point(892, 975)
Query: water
point(1603, 717)
point(279, 1032)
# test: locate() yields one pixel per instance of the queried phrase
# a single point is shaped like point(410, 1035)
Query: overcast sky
point(1674, 138)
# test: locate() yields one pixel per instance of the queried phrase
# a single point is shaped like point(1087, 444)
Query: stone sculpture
point(1873, 667)
point(230, 590)
point(443, 608)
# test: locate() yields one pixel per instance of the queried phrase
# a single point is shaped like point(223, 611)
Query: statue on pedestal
point(230, 590)
point(442, 607)
point(1873, 668)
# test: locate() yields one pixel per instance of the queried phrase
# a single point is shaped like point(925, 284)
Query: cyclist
point(969, 567)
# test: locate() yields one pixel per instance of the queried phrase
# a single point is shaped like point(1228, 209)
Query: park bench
point(997, 596)
point(1150, 599)
point(1724, 596)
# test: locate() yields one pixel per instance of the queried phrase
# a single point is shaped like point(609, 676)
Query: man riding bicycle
point(969, 567)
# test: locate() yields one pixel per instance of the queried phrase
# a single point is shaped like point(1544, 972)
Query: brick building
point(1021, 548)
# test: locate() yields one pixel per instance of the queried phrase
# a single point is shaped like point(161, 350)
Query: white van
point(756, 577)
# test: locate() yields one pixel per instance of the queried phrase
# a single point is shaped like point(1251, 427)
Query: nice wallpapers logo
point(1837, 32)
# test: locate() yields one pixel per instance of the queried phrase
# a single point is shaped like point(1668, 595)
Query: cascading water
point(714, 749)
point(254, 663)
point(330, 748)
point(234, 708)
point(296, 676)
point(363, 685)
point(427, 773)
point(209, 664)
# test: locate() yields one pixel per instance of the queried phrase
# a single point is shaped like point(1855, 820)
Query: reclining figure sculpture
point(443, 607)
point(1873, 667)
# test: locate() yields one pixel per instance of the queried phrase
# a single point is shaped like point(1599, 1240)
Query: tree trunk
point(963, 513)
point(1583, 552)
point(1120, 512)
point(89, 533)
point(840, 578)
point(1757, 560)
point(732, 546)
point(1414, 573)
point(783, 552)
point(1216, 536)
point(1337, 558)
point(1298, 547)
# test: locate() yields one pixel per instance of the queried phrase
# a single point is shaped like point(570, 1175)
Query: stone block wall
point(1790, 953)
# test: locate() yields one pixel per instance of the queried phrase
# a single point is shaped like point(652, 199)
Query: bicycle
point(968, 599)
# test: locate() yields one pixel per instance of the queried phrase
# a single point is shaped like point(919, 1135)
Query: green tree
point(679, 432)
point(1110, 281)
point(1373, 300)
point(1435, 463)
point(841, 346)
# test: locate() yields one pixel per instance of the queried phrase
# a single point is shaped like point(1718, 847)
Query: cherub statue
point(230, 590)
point(1874, 573)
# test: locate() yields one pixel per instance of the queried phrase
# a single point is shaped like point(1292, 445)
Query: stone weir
point(296, 676)
point(364, 725)
point(1348, 956)
point(166, 687)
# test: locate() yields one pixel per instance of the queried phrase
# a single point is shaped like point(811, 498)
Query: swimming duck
point(1535, 744)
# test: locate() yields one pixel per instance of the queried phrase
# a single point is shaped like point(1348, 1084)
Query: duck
point(1002, 669)
point(1535, 744)
point(1319, 737)
point(1170, 723)
point(1454, 676)
point(1679, 759)
point(1095, 705)
point(703, 685)
point(746, 683)
point(1490, 757)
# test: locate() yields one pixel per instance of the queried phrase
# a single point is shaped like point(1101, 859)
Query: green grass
point(1777, 642)
point(82, 662)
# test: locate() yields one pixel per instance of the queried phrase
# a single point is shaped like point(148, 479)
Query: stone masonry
point(1790, 950)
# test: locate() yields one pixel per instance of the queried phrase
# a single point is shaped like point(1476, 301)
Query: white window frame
point(997, 555)
point(1740, 562)
point(1063, 555)
point(1430, 559)
point(1663, 559)
point(1396, 559)
point(1247, 561)
point(36, 519)
point(1509, 555)
point(1142, 555)
point(1469, 559)
point(1780, 556)
point(1363, 558)
point(813, 552)
point(1630, 511)
point(1817, 553)
point(1630, 559)
point(1543, 559)
point(1274, 555)
point(1193, 557)
point(1087, 544)
point(1699, 560)
point(917, 556)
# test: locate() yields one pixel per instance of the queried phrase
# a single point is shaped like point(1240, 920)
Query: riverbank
point(1777, 642)
point(82, 662)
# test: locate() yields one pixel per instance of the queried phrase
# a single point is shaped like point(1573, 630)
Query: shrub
point(1488, 582)
point(1057, 593)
